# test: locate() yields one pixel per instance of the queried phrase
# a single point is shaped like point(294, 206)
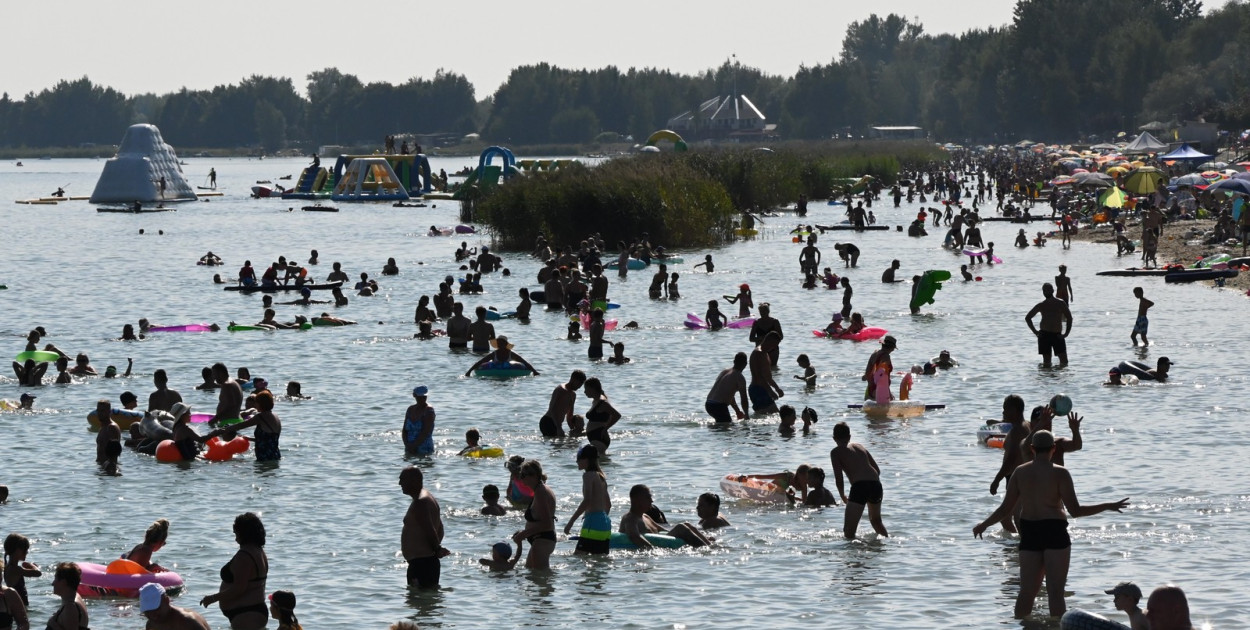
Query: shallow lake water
point(333, 508)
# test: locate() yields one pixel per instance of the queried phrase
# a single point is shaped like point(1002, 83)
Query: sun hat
point(150, 596)
point(495, 343)
point(178, 409)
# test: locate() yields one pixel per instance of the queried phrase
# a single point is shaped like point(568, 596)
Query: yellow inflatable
point(664, 134)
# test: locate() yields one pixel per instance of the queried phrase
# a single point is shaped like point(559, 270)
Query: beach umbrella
point(1241, 186)
point(1144, 180)
point(1095, 180)
point(1112, 198)
point(1192, 179)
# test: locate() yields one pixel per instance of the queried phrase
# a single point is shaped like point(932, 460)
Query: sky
point(138, 46)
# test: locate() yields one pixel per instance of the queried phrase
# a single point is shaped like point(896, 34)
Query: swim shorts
point(595, 351)
point(1142, 324)
point(1051, 533)
point(1051, 341)
point(596, 530)
point(548, 427)
point(760, 397)
point(718, 411)
point(113, 449)
point(424, 572)
point(865, 492)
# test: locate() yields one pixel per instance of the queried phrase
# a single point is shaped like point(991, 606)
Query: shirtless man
point(659, 283)
point(1063, 285)
point(161, 615)
point(1041, 419)
point(598, 285)
point(764, 325)
point(229, 396)
point(481, 331)
point(338, 275)
point(1013, 413)
point(421, 541)
point(636, 523)
point(560, 409)
point(1055, 326)
point(554, 291)
point(1043, 490)
point(163, 398)
point(865, 477)
point(763, 390)
point(458, 327)
point(809, 257)
point(108, 443)
point(729, 383)
point(887, 276)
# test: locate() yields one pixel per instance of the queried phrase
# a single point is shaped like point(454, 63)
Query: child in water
point(1021, 239)
point(809, 280)
point(830, 279)
point(788, 417)
point(818, 495)
point(672, 287)
point(809, 373)
point(618, 354)
point(743, 300)
point(963, 271)
point(715, 319)
point(501, 557)
point(707, 262)
point(473, 440)
point(575, 332)
point(835, 327)
point(490, 494)
point(857, 324)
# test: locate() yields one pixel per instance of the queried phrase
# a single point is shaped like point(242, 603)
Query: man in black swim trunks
point(1042, 490)
point(865, 477)
point(421, 541)
point(1055, 325)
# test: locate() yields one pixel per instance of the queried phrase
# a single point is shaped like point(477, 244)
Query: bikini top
point(82, 614)
point(227, 576)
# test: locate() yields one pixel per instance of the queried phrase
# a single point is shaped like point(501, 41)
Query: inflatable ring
point(511, 369)
point(123, 417)
point(40, 356)
point(122, 578)
point(485, 451)
point(1136, 368)
point(621, 541)
point(168, 452)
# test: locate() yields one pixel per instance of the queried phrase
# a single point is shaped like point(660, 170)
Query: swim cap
point(744, 286)
point(420, 390)
point(502, 549)
point(305, 291)
point(150, 596)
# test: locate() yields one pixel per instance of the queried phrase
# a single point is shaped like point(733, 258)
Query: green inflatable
point(930, 284)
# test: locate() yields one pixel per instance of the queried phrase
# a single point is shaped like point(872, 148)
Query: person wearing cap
point(1043, 490)
point(282, 608)
point(944, 360)
point(1168, 609)
point(421, 541)
point(501, 556)
point(1126, 595)
point(161, 615)
point(762, 389)
point(501, 356)
point(879, 359)
point(743, 300)
point(596, 504)
point(1056, 323)
point(1160, 372)
point(418, 432)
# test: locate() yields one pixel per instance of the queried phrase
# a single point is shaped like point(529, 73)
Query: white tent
point(135, 174)
point(1145, 143)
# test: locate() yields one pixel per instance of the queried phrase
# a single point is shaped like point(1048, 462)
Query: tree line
point(1061, 69)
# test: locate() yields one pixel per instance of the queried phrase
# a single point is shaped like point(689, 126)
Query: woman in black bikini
point(540, 518)
point(242, 594)
point(72, 615)
point(600, 417)
point(12, 610)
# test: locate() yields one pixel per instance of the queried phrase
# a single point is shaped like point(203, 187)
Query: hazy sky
point(140, 46)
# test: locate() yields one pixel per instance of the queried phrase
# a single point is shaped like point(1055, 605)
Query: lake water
point(333, 509)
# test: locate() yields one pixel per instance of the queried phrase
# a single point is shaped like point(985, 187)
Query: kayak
point(1133, 271)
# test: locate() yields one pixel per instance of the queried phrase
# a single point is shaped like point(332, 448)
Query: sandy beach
point(1182, 243)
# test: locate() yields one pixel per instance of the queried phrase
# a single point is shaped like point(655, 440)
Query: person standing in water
point(865, 477)
point(421, 540)
point(1063, 285)
point(596, 503)
point(763, 390)
point(1142, 324)
point(1043, 490)
point(1056, 323)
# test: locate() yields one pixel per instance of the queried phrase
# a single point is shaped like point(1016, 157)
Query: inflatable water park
point(145, 170)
